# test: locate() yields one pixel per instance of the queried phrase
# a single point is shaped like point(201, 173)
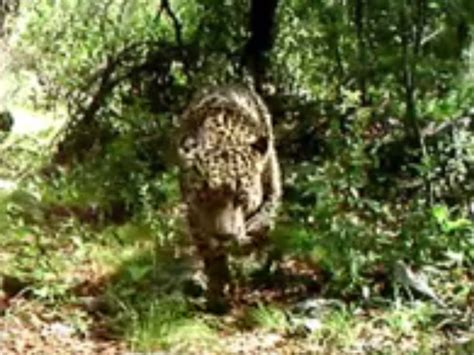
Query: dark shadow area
point(163, 289)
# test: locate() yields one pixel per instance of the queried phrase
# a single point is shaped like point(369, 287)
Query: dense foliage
point(368, 100)
point(372, 103)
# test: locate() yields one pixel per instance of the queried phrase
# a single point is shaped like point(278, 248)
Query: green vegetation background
point(372, 104)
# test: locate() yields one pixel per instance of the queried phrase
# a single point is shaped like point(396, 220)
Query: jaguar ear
point(260, 145)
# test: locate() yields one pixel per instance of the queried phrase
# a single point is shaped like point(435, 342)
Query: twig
point(178, 27)
point(431, 36)
point(431, 131)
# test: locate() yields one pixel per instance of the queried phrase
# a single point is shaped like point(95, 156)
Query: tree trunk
point(260, 42)
point(408, 71)
point(359, 18)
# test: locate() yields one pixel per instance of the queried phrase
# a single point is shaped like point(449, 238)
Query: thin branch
point(433, 130)
point(431, 36)
point(108, 77)
point(178, 30)
point(178, 27)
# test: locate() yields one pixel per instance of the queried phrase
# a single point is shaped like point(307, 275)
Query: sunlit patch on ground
point(29, 328)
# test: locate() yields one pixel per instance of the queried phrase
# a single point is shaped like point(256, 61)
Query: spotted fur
point(229, 174)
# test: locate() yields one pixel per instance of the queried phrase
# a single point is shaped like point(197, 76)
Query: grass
point(122, 286)
point(269, 317)
point(166, 323)
point(143, 306)
point(134, 282)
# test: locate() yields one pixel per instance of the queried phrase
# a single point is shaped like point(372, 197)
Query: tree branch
point(178, 27)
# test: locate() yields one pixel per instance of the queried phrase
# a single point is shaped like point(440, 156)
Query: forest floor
point(102, 297)
point(71, 287)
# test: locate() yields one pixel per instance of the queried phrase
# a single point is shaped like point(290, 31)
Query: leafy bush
point(371, 174)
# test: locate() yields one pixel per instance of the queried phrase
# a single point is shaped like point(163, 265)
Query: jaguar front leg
point(217, 272)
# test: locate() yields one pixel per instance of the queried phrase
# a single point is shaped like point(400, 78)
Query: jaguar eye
point(260, 145)
point(187, 144)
